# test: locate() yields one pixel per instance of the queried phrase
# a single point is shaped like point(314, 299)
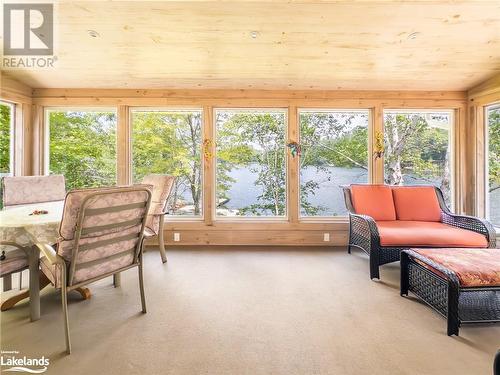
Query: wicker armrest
point(472, 223)
point(364, 226)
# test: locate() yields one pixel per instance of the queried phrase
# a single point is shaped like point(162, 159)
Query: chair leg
point(161, 241)
point(7, 283)
point(20, 280)
point(117, 280)
point(141, 285)
point(64, 298)
point(374, 266)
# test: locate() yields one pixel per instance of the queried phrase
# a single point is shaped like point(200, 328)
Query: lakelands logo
point(28, 30)
point(10, 361)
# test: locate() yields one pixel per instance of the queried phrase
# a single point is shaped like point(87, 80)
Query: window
point(169, 142)
point(418, 149)
point(82, 146)
point(334, 152)
point(6, 141)
point(493, 154)
point(251, 163)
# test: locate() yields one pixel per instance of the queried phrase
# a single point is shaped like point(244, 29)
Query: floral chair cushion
point(162, 186)
point(100, 250)
point(33, 189)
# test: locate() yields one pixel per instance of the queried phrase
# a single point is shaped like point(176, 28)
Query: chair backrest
point(162, 186)
point(372, 200)
point(384, 202)
point(32, 189)
point(101, 230)
point(416, 203)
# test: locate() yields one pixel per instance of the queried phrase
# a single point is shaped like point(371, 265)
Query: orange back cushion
point(417, 203)
point(373, 200)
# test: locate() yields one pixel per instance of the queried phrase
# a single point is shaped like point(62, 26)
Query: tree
point(334, 139)
point(494, 149)
point(5, 117)
point(5, 121)
point(170, 143)
point(256, 141)
point(414, 150)
point(83, 148)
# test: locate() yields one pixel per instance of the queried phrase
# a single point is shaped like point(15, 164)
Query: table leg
point(44, 281)
point(34, 260)
point(117, 280)
point(12, 301)
point(7, 283)
point(84, 292)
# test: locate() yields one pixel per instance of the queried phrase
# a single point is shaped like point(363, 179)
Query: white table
point(17, 225)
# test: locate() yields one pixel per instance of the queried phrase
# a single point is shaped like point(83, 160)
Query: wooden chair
point(101, 234)
point(162, 186)
point(17, 191)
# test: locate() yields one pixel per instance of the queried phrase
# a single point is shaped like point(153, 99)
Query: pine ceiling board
point(321, 45)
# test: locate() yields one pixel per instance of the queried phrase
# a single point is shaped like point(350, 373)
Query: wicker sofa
point(385, 220)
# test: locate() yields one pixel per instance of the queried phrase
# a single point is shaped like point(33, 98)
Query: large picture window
point(251, 163)
point(418, 149)
point(493, 163)
point(169, 142)
point(6, 141)
point(82, 146)
point(334, 152)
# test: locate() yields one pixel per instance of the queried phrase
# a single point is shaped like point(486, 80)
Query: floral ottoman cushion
point(473, 267)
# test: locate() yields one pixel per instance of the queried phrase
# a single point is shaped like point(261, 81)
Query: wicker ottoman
point(463, 285)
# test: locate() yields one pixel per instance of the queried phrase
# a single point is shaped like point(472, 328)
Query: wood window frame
point(454, 143)
point(372, 178)
point(479, 128)
point(213, 180)
point(127, 153)
point(294, 230)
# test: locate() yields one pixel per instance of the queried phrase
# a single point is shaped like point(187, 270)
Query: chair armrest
point(472, 223)
point(364, 230)
point(13, 244)
point(50, 253)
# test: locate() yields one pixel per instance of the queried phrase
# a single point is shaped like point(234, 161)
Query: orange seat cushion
point(416, 203)
point(427, 234)
point(373, 200)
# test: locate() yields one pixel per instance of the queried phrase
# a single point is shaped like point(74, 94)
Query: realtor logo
point(11, 362)
point(28, 29)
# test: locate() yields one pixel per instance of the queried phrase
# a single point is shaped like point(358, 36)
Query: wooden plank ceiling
point(386, 45)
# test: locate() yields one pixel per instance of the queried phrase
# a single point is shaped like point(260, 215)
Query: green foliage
point(5, 119)
point(494, 149)
point(415, 150)
point(83, 148)
point(170, 143)
point(5, 122)
point(254, 140)
point(330, 139)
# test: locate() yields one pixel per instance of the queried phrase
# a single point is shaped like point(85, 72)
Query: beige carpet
point(232, 311)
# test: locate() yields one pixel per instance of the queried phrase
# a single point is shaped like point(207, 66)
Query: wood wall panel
point(19, 94)
point(251, 237)
point(479, 97)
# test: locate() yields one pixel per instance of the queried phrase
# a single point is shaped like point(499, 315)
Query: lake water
point(329, 195)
